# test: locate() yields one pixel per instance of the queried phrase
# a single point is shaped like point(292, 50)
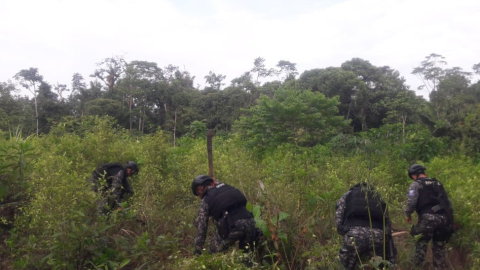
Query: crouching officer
point(361, 217)
point(428, 198)
point(111, 180)
point(226, 205)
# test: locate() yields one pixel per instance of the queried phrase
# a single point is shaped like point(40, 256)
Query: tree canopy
point(143, 97)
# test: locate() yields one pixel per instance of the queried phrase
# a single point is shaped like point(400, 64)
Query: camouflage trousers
point(244, 231)
point(429, 225)
point(357, 242)
point(105, 204)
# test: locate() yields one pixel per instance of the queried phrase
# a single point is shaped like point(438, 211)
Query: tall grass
point(293, 191)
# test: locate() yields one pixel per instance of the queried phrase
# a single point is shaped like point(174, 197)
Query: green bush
point(292, 191)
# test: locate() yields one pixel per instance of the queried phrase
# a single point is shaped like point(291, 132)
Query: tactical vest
point(363, 203)
point(106, 172)
point(428, 196)
point(223, 197)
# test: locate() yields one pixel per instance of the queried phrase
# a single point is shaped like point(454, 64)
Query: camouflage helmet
point(200, 181)
point(415, 169)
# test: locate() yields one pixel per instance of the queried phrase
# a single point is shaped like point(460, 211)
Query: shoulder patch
point(411, 192)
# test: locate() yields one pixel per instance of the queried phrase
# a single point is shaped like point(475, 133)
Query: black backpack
point(440, 197)
point(363, 202)
point(104, 172)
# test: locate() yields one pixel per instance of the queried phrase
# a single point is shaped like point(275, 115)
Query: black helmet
point(416, 169)
point(199, 181)
point(132, 165)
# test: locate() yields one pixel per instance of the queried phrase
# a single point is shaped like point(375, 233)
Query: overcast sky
point(61, 37)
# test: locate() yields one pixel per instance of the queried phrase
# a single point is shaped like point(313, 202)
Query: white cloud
point(64, 37)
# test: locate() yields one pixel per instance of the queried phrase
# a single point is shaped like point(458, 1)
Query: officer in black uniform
point(226, 205)
point(428, 198)
point(111, 180)
point(361, 217)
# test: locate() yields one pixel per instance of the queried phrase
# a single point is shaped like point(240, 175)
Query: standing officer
point(226, 205)
point(428, 198)
point(361, 218)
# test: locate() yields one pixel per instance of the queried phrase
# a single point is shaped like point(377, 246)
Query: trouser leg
point(420, 251)
point(347, 254)
point(217, 244)
point(438, 250)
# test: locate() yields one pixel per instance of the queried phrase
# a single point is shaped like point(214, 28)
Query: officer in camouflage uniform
point(111, 180)
point(360, 235)
point(226, 205)
point(428, 198)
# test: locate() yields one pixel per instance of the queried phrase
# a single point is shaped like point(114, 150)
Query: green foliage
point(15, 156)
point(413, 143)
point(197, 130)
point(302, 118)
point(233, 260)
point(103, 107)
point(292, 192)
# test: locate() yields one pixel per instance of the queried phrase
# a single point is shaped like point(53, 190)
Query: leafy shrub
point(292, 191)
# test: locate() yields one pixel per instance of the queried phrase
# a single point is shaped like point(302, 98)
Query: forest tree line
point(317, 133)
point(144, 97)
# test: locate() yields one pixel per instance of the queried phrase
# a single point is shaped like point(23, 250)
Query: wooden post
point(209, 151)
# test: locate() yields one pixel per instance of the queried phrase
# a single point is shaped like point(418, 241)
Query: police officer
point(111, 180)
point(226, 205)
point(428, 198)
point(361, 217)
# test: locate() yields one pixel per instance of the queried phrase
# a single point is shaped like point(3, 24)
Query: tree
point(430, 71)
point(102, 106)
point(476, 68)
point(214, 80)
point(450, 100)
point(449, 95)
point(288, 69)
point(332, 82)
point(109, 71)
point(60, 88)
point(260, 69)
point(137, 86)
point(30, 79)
point(361, 87)
point(171, 98)
point(244, 82)
point(79, 91)
point(219, 109)
point(303, 118)
point(405, 106)
point(14, 110)
point(197, 129)
point(379, 83)
point(50, 109)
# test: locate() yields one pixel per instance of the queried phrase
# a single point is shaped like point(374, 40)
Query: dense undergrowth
point(291, 190)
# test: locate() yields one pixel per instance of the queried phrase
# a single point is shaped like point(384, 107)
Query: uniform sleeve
point(202, 226)
point(339, 213)
point(117, 187)
point(127, 188)
point(412, 198)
